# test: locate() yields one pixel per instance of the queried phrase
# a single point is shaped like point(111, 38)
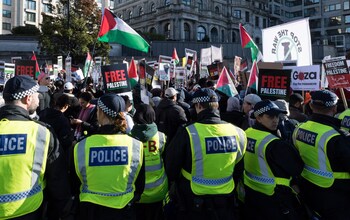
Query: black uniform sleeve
point(140, 182)
point(174, 154)
point(57, 182)
point(338, 151)
point(283, 159)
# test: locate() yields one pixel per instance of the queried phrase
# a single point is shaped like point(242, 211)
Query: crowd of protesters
point(255, 161)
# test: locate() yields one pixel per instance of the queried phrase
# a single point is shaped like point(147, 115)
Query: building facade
point(329, 19)
point(195, 20)
point(29, 12)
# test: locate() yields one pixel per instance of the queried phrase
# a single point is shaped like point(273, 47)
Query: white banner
point(289, 41)
point(206, 56)
point(216, 54)
point(305, 78)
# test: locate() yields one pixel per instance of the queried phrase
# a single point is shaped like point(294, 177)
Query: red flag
point(132, 72)
point(37, 69)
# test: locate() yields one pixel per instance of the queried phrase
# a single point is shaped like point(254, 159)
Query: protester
point(44, 92)
point(33, 170)
point(169, 115)
point(145, 130)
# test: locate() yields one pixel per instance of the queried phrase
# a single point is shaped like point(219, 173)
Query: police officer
point(269, 165)
point(345, 119)
point(31, 159)
point(325, 150)
point(109, 165)
point(201, 160)
point(145, 130)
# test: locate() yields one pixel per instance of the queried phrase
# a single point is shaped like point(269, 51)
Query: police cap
point(204, 95)
point(324, 98)
point(111, 104)
point(266, 107)
point(19, 87)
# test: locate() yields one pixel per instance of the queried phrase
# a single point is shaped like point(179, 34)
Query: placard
point(274, 84)
point(337, 72)
point(115, 78)
point(25, 67)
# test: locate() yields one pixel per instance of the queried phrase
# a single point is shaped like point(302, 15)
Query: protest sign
point(2, 72)
point(60, 63)
point(9, 71)
point(115, 78)
point(337, 72)
point(68, 64)
point(25, 67)
point(274, 84)
point(305, 78)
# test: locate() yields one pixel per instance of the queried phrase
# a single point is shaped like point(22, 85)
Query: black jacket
point(169, 117)
point(57, 190)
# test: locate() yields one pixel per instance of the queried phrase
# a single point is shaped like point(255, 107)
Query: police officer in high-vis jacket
point(345, 119)
point(150, 206)
point(269, 165)
point(109, 165)
point(31, 161)
point(201, 159)
point(325, 150)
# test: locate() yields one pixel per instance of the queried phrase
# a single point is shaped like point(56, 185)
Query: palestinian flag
point(253, 77)
point(115, 30)
point(225, 84)
point(37, 69)
point(88, 64)
point(132, 72)
point(247, 42)
point(174, 57)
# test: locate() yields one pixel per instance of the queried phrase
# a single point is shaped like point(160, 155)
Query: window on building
point(334, 32)
point(292, 3)
point(346, 5)
point(315, 23)
point(332, 21)
point(187, 32)
point(111, 4)
point(186, 2)
point(234, 37)
point(264, 23)
point(236, 13)
point(347, 19)
point(347, 30)
point(333, 7)
point(6, 2)
point(167, 31)
point(6, 26)
point(6, 13)
point(47, 8)
point(217, 10)
point(31, 17)
point(130, 14)
point(200, 4)
point(201, 33)
point(311, 2)
point(277, 10)
point(257, 23)
point(167, 2)
point(310, 12)
point(31, 5)
point(297, 14)
point(153, 7)
point(222, 36)
point(140, 11)
point(153, 31)
point(214, 35)
point(247, 16)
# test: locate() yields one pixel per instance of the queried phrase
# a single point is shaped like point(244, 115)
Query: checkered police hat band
point(262, 110)
point(201, 99)
point(20, 95)
point(327, 104)
point(106, 110)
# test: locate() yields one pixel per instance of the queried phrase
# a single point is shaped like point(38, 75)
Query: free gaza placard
point(274, 84)
point(115, 78)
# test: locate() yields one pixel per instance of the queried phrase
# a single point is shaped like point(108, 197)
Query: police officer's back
point(201, 159)
point(325, 150)
point(109, 165)
point(31, 160)
point(269, 165)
